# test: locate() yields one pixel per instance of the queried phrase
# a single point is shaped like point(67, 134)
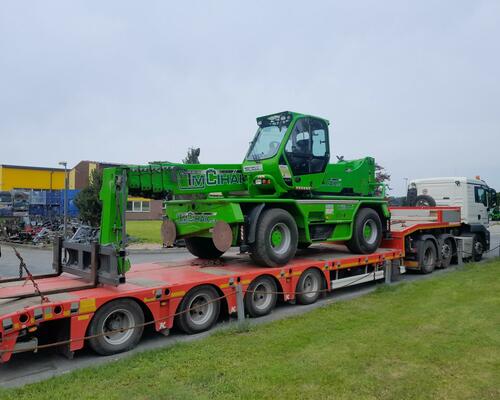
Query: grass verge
point(144, 231)
point(437, 338)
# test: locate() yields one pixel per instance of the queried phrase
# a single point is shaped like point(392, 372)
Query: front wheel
point(276, 238)
point(367, 232)
point(202, 247)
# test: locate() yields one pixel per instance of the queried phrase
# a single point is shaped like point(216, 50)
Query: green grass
point(437, 338)
point(144, 231)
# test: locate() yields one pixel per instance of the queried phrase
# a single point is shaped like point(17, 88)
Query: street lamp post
point(65, 229)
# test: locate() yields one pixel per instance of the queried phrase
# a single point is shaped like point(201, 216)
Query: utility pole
point(65, 229)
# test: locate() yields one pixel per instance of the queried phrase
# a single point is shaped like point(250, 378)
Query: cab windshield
point(268, 137)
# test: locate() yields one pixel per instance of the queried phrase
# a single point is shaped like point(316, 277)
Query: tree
point(88, 202)
point(381, 175)
point(192, 156)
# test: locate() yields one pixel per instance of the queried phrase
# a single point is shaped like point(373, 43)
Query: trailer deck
point(160, 287)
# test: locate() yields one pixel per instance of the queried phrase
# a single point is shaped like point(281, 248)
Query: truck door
point(480, 207)
point(307, 152)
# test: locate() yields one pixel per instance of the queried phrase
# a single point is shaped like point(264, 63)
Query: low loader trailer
point(84, 303)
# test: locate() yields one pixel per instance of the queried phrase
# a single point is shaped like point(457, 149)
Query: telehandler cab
point(285, 195)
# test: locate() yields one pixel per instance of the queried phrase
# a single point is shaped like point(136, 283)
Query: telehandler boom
point(285, 195)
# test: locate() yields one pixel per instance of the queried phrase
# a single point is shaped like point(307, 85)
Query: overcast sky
point(415, 84)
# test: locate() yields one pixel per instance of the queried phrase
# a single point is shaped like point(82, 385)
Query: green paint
point(286, 166)
point(276, 237)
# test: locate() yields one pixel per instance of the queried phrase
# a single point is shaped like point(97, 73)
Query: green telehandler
point(285, 195)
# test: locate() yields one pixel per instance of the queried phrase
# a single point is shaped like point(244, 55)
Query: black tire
point(309, 285)
point(447, 250)
point(424, 200)
point(266, 250)
point(201, 310)
point(261, 297)
point(427, 256)
point(123, 313)
point(478, 248)
point(359, 242)
point(202, 247)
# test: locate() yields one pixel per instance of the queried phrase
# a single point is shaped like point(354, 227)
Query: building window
point(138, 206)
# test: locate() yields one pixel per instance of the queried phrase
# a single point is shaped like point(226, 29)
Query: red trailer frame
point(160, 287)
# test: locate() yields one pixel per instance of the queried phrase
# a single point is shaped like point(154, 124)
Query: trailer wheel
point(202, 247)
point(200, 310)
point(261, 296)
point(123, 314)
point(276, 238)
point(427, 257)
point(367, 232)
point(309, 286)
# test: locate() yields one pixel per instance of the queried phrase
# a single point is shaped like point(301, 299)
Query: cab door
point(307, 152)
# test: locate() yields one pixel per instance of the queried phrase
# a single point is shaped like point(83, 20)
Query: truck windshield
point(268, 137)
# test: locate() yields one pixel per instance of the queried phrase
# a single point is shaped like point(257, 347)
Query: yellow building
point(25, 177)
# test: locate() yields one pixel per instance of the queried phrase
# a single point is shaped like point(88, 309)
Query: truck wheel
point(427, 257)
point(276, 238)
point(309, 286)
point(446, 252)
point(119, 314)
point(367, 232)
point(424, 200)
point(202, 247)
point(261, 296)
point(200, 310)
point(477, 248)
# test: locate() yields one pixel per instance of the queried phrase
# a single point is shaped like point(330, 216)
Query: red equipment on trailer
point(66, 310)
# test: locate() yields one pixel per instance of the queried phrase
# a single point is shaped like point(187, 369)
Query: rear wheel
point(118, 326)
point(200, 310)
point(261, 296)
point(276, 238)
point(202, 247)
point(427, 257)
point(367, 232)
point(446, 252)
point(309, 286)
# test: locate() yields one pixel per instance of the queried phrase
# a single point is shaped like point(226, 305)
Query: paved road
point(28, 368)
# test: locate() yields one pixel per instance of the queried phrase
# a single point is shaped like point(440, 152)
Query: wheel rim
point(370, 231)
point(310, 285)
point(262, 295)
point(280, 238)
point(200, 309)
point(478, 247)
point(446, 250)
point(115, 321)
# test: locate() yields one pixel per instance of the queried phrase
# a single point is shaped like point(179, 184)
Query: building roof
point(30, 167)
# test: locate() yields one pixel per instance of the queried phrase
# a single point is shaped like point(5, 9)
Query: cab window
point(307, 149)
point(480, 195)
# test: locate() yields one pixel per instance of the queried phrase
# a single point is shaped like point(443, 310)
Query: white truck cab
point(473, 196)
